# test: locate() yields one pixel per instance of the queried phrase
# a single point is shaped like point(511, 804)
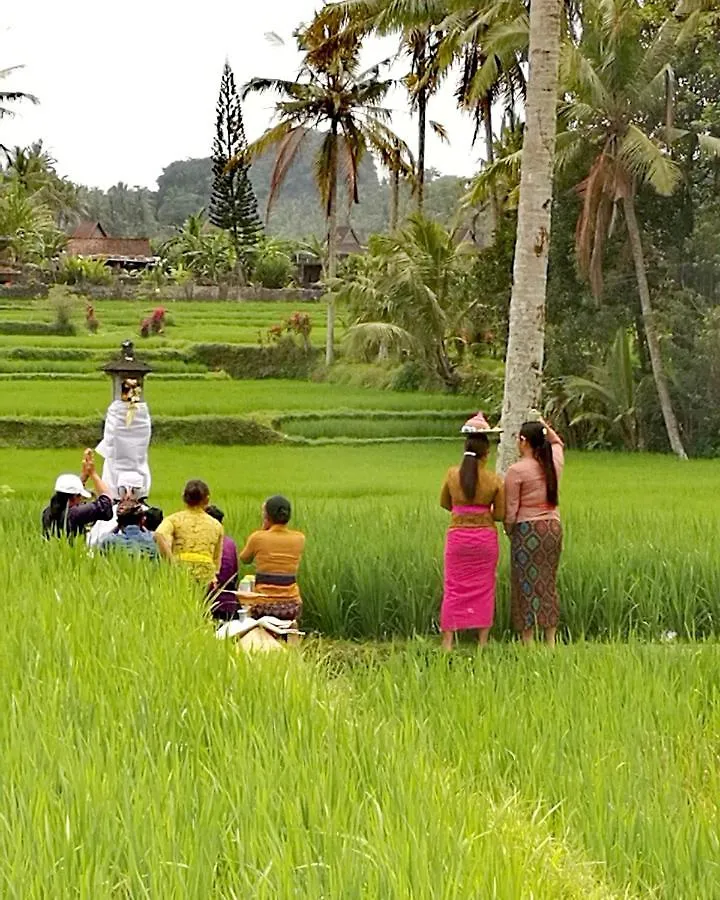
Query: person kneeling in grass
point(224, 604)
point(131, 535)
point(72, 510)
point(192, 537)
point(276, 551)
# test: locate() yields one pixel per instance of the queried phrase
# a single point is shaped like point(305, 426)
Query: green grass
point(37, 398)
point(193, 322)
point(640, 550)
point(142, 758)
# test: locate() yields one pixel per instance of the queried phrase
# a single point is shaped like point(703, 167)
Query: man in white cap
point(130, 486)
point(71, 509)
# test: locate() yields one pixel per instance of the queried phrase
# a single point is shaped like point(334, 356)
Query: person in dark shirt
point(71, 509)
point(224, 602)
point(131, 536)
point(153, 518)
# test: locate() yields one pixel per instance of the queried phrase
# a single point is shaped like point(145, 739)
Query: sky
point(126, 88)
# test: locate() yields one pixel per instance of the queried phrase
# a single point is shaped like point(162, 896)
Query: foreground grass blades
point(142, 758)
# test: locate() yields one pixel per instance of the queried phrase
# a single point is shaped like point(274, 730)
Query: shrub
point(41, 432)
point(411, 376)
point(63, 322)
point(274, 270)
point(77, 270)
point(283, 359)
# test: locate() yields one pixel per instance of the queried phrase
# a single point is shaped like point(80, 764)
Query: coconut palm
point(526, 335)
point(8, 98)
point(400, 164)
point(618, 117)
point(411, 292)
point(418, 24)
point(332, 93)
point(488, 43)
point(606, 401)
point(34, 168)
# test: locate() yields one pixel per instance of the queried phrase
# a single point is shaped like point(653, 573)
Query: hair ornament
point(470, 453)
point(545, 431)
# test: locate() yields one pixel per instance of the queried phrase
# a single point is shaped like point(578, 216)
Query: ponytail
point(535, 433)
point(544, 456)
point(55, 523)
point(477, 447)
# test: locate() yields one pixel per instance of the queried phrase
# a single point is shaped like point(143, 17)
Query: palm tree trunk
point(331, 262)
point(394, 199)
point(526, 340)
point(648, 315)
point(490, 154)
point(422, 136)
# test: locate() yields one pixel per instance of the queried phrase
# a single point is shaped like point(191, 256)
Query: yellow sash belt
point(190, 557)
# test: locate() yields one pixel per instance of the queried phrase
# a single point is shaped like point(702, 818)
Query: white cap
point(71, 484)
point(130, 480)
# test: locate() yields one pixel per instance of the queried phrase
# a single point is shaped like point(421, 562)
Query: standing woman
point(476, 500)
point(532, 522)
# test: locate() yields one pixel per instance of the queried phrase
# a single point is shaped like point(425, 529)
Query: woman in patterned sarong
point(532, 522)
point(475, 497)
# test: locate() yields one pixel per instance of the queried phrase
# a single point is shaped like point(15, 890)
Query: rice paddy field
point(188, 321)
point(142, 758)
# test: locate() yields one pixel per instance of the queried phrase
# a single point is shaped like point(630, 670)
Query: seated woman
point(276, 551)
point(224, 602)
point(192, 537)
point(131, 535)
point(71, 509)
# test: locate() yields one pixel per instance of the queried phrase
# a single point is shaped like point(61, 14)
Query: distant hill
point(184, 188)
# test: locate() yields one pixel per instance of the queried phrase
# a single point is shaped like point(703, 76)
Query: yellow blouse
point(490, 492)
point(196, 540)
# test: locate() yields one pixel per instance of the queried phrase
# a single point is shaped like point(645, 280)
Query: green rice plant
point(224, 397)
point(638, 560)
point(143, 758)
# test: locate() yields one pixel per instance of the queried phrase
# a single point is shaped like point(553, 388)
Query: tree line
point(600, 126)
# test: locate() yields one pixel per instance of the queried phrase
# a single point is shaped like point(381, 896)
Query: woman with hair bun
point(532, 522)
point(476, 500)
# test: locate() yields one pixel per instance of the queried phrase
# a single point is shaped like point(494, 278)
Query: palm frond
point(580, 76)
point(373, 339)
point(647, 161)
point(502, 172)
point(288, 147)
point(439, 130)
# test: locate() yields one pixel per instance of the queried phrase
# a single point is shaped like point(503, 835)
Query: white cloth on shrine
point(125, 446)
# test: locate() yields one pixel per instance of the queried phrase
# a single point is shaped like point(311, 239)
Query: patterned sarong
point(535, 549)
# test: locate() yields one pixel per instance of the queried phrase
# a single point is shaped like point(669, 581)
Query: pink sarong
point(471, 557)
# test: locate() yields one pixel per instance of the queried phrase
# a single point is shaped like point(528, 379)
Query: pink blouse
point(525, 492)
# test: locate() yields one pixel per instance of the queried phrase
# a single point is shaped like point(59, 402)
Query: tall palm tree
point(400, 164)
point(418, 24)
point(526, 338)
point(411, 292)
point(10, 97)
point(34, 168)
point(618, 116)
point(333, 94)
point(488, 43)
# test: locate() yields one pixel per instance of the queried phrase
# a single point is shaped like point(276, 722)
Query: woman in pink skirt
point(476, 500)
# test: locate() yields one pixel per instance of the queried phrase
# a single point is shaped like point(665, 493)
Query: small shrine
point(128, 375)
